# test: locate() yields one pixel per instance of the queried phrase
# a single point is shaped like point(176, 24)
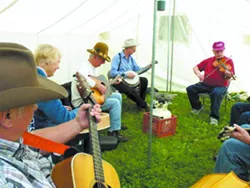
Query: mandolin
point(84, 170)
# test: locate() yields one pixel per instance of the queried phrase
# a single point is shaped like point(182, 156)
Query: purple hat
point(218, 46)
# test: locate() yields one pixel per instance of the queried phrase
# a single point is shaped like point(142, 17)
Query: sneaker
point(213, 121)
point(124, 127)
point(118, 136)
point(195, 111)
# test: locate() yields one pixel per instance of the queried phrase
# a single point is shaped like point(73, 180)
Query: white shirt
point(86, 70)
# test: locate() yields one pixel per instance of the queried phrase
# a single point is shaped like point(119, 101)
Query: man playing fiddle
point(218, 70)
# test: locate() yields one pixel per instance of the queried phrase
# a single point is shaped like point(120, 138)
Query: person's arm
point(56, 112)
point(230, 73)
point(198, 73)
point(64, 132)
point(135, 66)
point(114, 67)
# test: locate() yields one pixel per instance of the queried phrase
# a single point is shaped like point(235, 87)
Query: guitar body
point(97, 95)
point(78, 172)
point(220, 181)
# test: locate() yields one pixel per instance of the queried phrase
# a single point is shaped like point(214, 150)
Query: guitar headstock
point(150, 65)
point(82, 85)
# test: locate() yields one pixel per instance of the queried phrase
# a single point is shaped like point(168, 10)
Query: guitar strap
point(44, 144)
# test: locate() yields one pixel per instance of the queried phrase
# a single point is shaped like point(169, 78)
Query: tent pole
point(169, 40)
point(152, 86)
point(172, 47)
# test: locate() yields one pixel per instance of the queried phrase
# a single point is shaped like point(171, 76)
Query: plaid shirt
point(21, 167)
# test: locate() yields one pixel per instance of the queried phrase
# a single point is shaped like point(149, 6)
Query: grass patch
point(176, 161)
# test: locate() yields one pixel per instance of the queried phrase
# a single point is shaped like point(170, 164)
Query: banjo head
point(132, 82)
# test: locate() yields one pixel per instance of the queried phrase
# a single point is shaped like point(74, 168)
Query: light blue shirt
point(126, 64)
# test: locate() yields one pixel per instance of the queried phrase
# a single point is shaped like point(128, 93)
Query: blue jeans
point(240, 113)
point(216, 97)
point(234, 155)
point(113, 104)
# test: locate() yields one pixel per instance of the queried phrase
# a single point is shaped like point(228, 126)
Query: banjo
point(134, 82)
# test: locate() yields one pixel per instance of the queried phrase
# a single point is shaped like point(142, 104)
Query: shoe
point(118, 136)
point(146, 109)
point(195, 111)
point(213, 121)
point(124, 127)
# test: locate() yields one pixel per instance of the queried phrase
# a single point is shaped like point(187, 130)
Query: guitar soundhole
point(100, 185)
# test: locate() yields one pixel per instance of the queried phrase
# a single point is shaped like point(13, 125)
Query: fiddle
point(222, 65)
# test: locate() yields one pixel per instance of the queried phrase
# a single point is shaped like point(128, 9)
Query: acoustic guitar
point(134, 82)
point(97, 95)
point(220, 181)
point(84, 170)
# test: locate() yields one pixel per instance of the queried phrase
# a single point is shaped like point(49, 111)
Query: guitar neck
point(96, 150)
point(142, 70)
point(145, 69)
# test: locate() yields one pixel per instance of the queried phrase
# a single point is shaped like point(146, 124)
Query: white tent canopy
point(74, 26)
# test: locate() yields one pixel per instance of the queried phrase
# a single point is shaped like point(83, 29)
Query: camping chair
point(109, 77)
point(203, 97)
point(67, 101)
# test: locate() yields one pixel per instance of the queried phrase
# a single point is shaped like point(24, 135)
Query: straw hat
point(100, 49)
point(129, 43)
point(19, 83)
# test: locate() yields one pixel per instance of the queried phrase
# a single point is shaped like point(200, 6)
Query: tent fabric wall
point(74, 26)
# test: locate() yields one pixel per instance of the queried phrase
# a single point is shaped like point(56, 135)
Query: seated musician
point(214, 81)
point(240, 113)
point(113, 103)
point(234, 154)
point(124, 64)
point(20, 90)
point(53, 112)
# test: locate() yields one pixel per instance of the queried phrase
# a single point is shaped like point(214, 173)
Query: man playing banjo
point(125, 65)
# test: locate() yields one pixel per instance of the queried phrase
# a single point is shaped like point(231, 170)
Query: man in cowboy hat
point(20, 89)
point(124, 64)
point(213, 81)
point(113, 103)
point(53, 112)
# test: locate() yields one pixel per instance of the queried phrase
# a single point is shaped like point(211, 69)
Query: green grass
point(176, 161)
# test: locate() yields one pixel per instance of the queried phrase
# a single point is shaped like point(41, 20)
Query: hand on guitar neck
point(85, 170)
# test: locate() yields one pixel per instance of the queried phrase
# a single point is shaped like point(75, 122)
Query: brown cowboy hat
point(100, 49)
point(20, 85)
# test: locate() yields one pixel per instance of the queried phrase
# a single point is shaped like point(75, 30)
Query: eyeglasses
point(220, 51)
